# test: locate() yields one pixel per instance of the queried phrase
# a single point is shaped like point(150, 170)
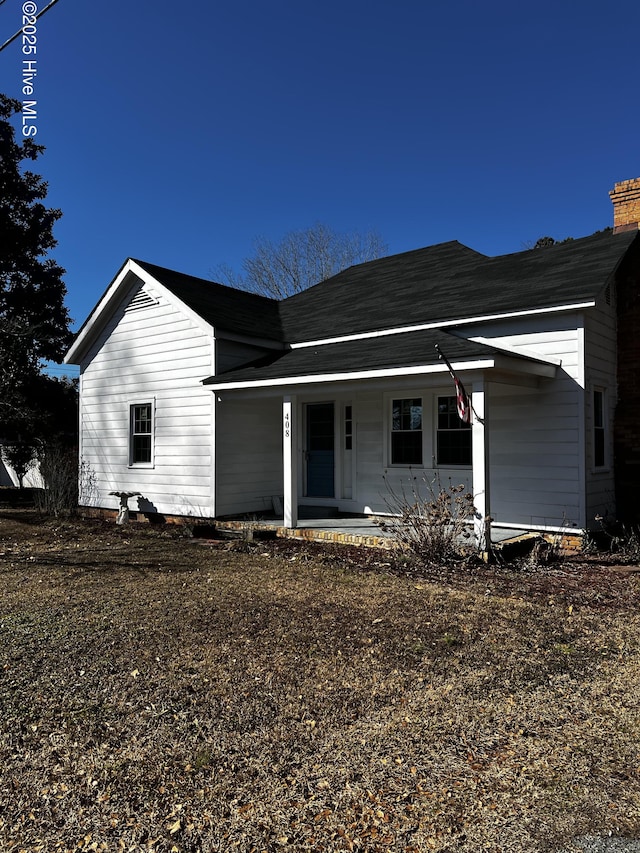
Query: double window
point(452, 436)
point(141, 434)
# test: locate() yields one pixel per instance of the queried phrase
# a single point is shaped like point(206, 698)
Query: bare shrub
point(628, 544)
point(429, 521)
point(62, 476)
point(620, 539)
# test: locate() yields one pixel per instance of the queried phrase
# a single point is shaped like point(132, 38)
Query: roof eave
point(514, 365)
point(447, 324)
point(88, 330)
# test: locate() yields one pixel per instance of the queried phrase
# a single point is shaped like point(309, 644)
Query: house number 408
point(287, 426)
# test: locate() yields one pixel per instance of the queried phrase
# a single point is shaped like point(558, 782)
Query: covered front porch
point(320, 453)
point(341, 440)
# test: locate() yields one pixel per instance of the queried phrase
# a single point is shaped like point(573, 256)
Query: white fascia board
point(547, 528)
point(315, 379)
point(109, 301)
point(94, 320)
point(534, 367)
point(527, 353)
point(443, 324)
point(500, 362)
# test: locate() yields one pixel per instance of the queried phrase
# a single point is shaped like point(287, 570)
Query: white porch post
point(480, 467)
point(290, 461)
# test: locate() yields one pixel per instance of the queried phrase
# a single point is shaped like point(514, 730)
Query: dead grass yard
point(161, 694)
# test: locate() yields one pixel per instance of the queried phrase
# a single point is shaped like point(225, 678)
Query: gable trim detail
point(117, 291)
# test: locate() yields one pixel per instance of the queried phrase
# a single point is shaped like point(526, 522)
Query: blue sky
point(177, 132)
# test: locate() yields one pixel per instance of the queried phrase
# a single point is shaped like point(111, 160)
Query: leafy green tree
point(301, 259)
point(33, 316)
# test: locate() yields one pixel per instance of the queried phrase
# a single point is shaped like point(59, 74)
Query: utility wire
point(15, 35)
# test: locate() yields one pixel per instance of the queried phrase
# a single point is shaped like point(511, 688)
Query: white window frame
point(436, 432)
point(404, 395)
point(133, 405)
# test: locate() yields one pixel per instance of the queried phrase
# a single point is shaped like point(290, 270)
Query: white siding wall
point(375, 477)
point(152, 354)
point(535, 454)
point(248, 454)
point(248, 442)
point(600, 372)
point(537, 434)
point(370, 487)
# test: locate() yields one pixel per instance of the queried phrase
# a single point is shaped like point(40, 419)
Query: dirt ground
point(160, 692)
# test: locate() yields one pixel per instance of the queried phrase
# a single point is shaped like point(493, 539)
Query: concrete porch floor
point(344, 529)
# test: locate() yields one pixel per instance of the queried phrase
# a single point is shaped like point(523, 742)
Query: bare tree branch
point(300, 260)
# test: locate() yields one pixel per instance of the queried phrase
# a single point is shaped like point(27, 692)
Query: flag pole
point(482, 519)
point(463, 404)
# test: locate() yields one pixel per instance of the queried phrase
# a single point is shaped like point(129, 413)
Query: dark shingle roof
point(406, 349)
point(438, 284)
point(223, 307)
point(450, 282)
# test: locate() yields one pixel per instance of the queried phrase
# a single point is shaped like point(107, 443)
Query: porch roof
point(387, 355)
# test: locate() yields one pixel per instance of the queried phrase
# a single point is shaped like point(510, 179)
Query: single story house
point(212, 402)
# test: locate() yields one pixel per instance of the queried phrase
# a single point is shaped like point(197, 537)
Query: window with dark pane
point(406, 431)
point(453, 436)
point(141, 433)
point(598, 429)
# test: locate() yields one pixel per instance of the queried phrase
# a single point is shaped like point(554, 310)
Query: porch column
point(480, 467)
point(290, 461)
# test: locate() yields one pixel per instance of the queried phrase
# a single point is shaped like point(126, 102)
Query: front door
point(320, 450)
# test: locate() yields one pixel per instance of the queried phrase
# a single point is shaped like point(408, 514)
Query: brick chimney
point(625, 196)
